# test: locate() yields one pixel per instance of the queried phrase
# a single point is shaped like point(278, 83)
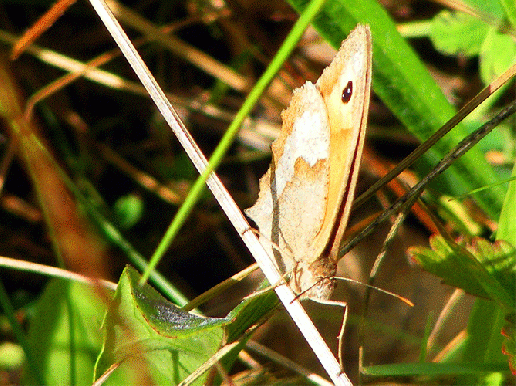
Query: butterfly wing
point(291, 203)
point(345, 88)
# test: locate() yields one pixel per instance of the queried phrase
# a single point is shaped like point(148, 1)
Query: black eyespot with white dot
point(347, 92)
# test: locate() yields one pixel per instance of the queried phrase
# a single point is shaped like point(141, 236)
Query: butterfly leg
point(342, 327)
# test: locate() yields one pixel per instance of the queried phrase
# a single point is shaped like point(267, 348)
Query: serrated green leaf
point(457, 33)
point(481, 268)
point(441, 260)
point(499, 259)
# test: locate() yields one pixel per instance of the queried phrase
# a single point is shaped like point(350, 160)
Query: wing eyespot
point(347, 93)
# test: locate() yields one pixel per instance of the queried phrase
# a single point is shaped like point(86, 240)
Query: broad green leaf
point(401, 80)
point(52, 342)
point(497, 54)
point(151, 340)
point(457, 33)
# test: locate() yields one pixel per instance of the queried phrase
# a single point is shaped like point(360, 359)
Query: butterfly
point(305, 196)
